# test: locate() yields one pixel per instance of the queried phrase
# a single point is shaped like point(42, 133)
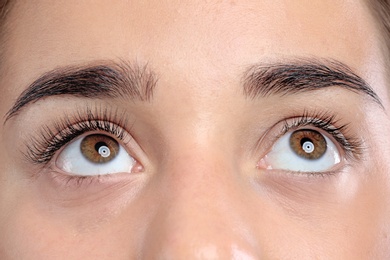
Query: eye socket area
point(306, 150)
point(96, 154)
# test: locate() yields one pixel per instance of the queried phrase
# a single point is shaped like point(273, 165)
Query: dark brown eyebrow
point(302, 76)
point(110, 79)
point(138, 82)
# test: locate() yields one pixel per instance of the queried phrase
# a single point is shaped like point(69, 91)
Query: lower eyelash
point(352, 147)
point(77, 181)
point(41, 149)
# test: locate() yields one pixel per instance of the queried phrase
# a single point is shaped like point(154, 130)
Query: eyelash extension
point(40, 150)
point(352, 147)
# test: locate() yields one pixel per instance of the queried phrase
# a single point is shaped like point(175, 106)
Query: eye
point(95, 154)
point(303, 150)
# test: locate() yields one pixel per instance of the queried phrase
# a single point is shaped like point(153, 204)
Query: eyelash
point(352, 147)
point(41, 150)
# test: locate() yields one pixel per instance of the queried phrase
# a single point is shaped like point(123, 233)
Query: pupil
point(304, 140)
point(98, 145)
point(307, 145)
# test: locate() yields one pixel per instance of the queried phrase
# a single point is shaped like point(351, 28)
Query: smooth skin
point(202, 191)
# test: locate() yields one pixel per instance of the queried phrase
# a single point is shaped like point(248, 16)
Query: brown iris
point(99, 148)
point(308, 144)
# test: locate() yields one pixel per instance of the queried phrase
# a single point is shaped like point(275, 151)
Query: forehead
point(207, 38)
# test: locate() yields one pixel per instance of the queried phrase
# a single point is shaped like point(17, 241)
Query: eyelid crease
point(41, 149)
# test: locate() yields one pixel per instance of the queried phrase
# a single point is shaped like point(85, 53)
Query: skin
point(201, 191)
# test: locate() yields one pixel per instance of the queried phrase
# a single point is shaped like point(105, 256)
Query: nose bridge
point(199, 214)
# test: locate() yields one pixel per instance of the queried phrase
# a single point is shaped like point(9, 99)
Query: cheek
point(24, 230)
point(29, 231)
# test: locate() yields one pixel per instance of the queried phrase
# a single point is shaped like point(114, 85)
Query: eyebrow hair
point(110, 80)
point(263, 80)
point(115, 80)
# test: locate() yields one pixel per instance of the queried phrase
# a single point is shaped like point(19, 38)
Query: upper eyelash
point(41, 149)
point(353, 147)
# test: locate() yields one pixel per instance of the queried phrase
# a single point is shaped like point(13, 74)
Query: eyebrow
point(108, 80)
point(263, 80)
point(113, 80)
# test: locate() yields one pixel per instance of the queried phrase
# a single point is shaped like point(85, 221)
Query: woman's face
point(193, 129)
